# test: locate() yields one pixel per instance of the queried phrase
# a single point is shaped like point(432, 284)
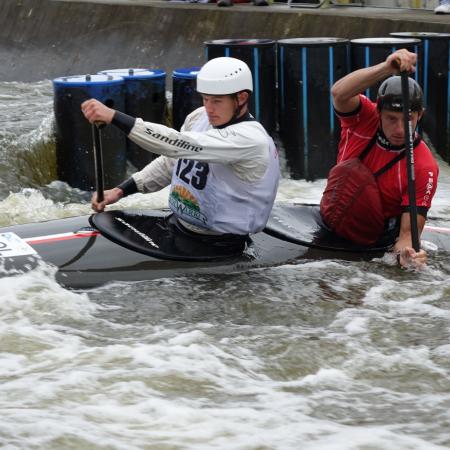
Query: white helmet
point(222, 76)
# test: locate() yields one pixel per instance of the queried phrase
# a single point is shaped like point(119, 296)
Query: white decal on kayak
point(61, 237)
point(139, 233)
point(13, 245)
point(437, 229)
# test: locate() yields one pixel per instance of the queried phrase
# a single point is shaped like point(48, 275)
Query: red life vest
point(351, 203)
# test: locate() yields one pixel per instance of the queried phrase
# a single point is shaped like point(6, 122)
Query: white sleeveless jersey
point(211, 196)
point(223, 180)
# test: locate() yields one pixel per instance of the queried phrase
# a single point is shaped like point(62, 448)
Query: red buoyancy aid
point(351, 203)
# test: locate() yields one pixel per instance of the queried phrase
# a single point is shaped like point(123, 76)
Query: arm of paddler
point(406, 255)
point(157, 174)
point(210, 146)
point(152, 178)
point(231, 146)
point(346, 90)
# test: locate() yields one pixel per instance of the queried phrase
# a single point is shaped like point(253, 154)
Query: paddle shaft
point(97, 140)
point(410, 161)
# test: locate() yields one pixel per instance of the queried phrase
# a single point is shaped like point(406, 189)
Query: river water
point(311, 356)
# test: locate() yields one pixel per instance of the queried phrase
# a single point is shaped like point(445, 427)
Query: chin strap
point(383, 141)
point(238, 110)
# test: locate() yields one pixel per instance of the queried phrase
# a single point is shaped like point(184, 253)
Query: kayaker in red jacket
point(378, 128)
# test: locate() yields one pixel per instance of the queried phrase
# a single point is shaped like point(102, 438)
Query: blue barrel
point(260, 56)
point(308, 129)
point(436, 88)
point(185, 97)
point(74, 146)
point(370, 51)
point(145, 97)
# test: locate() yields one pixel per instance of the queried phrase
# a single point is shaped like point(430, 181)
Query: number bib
point(189, 177)
point(211, 196)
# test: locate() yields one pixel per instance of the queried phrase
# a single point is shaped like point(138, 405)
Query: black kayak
point(133, 245)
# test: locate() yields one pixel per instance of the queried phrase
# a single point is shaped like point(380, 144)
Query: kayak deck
point(85, 258)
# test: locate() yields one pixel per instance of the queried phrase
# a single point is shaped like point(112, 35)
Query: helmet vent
point(232, 74)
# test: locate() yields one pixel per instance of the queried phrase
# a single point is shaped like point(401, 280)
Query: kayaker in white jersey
point(222, 166)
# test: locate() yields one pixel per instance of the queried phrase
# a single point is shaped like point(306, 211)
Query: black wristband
point(128, 187)
point(123, 121)
point(422, 210)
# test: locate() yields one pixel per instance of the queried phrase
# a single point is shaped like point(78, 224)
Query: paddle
point(410, 161)
point(97, 140)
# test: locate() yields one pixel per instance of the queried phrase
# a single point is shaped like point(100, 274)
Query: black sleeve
point(128, 187)
point(422, 210)
point(350, 113)
point(123, 121)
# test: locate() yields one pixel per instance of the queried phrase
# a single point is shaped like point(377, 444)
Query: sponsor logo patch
point(185, 204)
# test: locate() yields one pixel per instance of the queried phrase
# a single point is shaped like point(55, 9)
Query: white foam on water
point(373, 438)
point(311, 355)
point(30, 205)
point(324, 378)
point(442, 350)
point(300, 191)
point(74, 377)
point(357, 326)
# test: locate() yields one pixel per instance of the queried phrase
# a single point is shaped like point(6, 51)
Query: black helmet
point(390, 95)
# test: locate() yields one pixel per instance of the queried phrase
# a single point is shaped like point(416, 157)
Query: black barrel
point(260, 56)
point(370, 51)
point(309, 131)
point(185, 97)
point(436, 88)
point(74, 146)
point(145, 97)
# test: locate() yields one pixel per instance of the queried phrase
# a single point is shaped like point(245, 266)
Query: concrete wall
point(430, 4)
point(43, 39)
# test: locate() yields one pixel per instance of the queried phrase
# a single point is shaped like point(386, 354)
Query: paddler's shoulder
point(193, 117)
